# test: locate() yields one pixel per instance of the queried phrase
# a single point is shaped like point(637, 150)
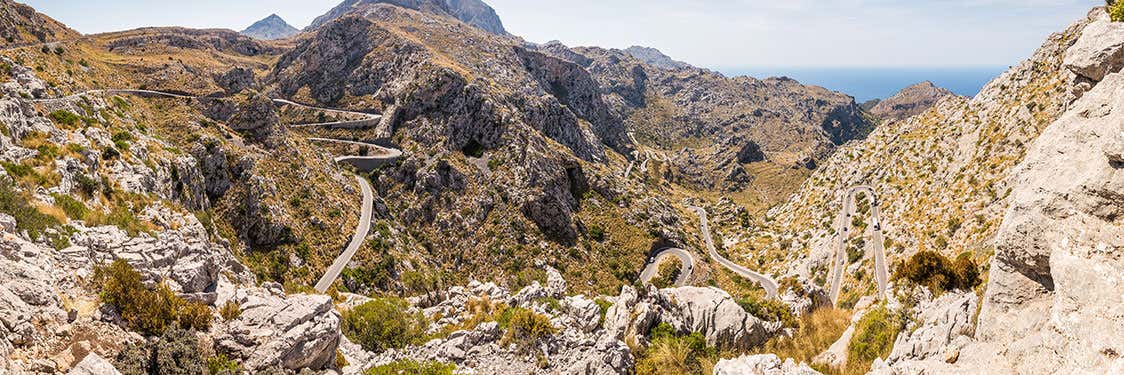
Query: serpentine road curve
point(843, 224)
point(362, 162)
point(686, 261)
point(766, 282)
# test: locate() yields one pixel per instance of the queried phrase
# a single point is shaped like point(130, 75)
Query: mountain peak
point(269, 28)
point(473, 12)
point(654, 57)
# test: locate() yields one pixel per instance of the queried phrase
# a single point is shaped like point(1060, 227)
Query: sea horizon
point(867, 83)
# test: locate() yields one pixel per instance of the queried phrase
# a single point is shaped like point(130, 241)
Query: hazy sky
point(710, 33)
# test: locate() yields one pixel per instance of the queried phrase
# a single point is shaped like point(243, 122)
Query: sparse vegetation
point(938, 273)
point(148, 311)
point(525, 328)
point(668, 272)
point(384, 323)
point(412, 367)
point(769, 310)
point(28, 218)
point(230, 310)
point(673, 353)
point(815, 333)
point(874, 336)
point(1116, 10)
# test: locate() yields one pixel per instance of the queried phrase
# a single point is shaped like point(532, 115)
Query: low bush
point(1116, 10)
point(384, 323)
point(221, 365)
point(412, 367)
point(28, 218)
point(230, 310)
point(64, 117)
point(672, 353)
point(938, 273)
point(73, 208)
point(874, 335)
point(148, 311)
point(768, 310)
point(173, 352)
point(525, 328)
point(668, 272)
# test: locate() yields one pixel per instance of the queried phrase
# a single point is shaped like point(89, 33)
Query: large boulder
point(762, 364)
point(1100, 49)
point(94, 364)
point(274, 330)
point(940, 328)
point(710, 311)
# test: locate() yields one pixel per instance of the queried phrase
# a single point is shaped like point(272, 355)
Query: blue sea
point(879, 83)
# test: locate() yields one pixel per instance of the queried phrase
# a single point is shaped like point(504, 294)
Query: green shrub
point(73, 208)
point(604, 306)
point(28, 218)
point(122, 139)
point(874, 335)
point(173, 352)
point(412, 367)
point(525, 328)
point(1116, 10)
point(938, 273)
point(64, 117)
point(230, 310)
point(668, 272)
point(150, 312)
point(597, 233)
point(769, 310)
point(221, 365)
point(384, 323)
point(672, 353)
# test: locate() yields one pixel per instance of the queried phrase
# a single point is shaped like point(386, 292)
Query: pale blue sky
point(711, 33)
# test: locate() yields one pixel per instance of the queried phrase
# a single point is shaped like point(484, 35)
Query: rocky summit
point(269, 28)
point(406, 187)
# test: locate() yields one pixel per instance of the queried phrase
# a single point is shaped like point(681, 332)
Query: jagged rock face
point(781, 115)
point(472, 12)
point(270, 28)
point(766, 364)
point(257, 116)
point(237, 79)
point(1054, 291)
point(274, 330)
point(709, 311)
point(939, 329)
point(21, 24)
point(909, 102)
point(654, 57)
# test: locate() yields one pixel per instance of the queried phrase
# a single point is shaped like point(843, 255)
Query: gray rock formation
point(709, 311)
point(1054, 283)
point(275, 330)
point(472, 12)
point(939, 329)
point(654, 57)
point(94, 364)
point(762, 364)
point(270, 28)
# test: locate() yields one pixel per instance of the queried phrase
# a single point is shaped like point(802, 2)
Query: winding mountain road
point(766, 282)
point(686, 261)
point(843, 225)
point(364, 163)
point(357, 239)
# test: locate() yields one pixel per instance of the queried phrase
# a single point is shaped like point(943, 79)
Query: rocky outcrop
point(939, 329)
point(710, 311)
point(236, 79)
point(275, 330)
point(270, 28)
point(654, 57)
point(909, 102)
point(1053, 294)
point(1100, 49)
point(257, 116)
point(762, 364)
point(94, 364)
point(21, 25)
point(472, 12)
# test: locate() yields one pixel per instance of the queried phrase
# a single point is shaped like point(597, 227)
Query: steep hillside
point(941, 176)
point(22, 25)
point(472, 12)
point(269, 28)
